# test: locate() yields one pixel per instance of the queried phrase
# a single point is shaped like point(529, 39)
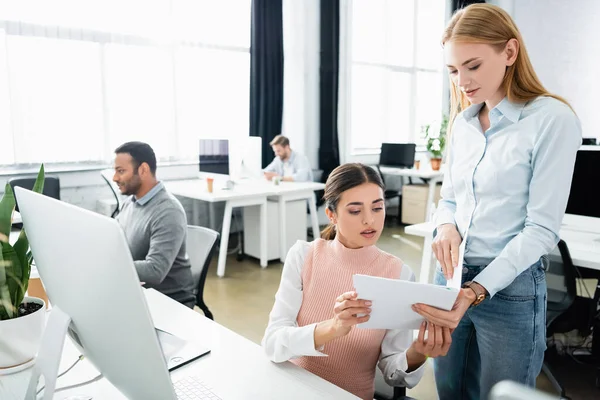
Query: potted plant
point(22, 319)
point(435, 137)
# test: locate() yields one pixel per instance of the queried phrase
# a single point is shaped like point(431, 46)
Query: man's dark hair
point(140, 152)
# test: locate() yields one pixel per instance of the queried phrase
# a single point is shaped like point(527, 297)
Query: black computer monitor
point(214, 156)
point(400, 155)
point(585, 175)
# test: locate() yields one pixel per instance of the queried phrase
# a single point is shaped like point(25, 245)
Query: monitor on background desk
point(245, 159)
point(586, 176)
point(399, 155)
point(214, 156)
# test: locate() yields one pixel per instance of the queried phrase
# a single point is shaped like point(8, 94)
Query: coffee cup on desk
point(210, 184)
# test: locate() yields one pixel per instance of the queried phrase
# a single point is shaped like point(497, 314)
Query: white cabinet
point(296, 227)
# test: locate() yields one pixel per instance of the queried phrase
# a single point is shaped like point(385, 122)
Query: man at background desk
point(288, 165)
point(154, 223)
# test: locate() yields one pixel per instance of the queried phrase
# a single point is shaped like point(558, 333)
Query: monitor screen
point(397, 155)
point(581, 200)
point(214, 156)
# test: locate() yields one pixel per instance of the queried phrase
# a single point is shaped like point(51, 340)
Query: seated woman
point(312, 321)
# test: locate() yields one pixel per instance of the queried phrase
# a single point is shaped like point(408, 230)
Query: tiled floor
point(243, 299)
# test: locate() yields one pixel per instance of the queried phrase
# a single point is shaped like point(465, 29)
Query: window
point(393, 71)
point(77, 79)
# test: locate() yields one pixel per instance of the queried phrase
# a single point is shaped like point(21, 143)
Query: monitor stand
point(49, 355)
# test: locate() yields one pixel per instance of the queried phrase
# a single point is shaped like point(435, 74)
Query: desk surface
point(197, 189)
point(425, 173)
point(17, 218)
point(236, 368)
point(584, 245)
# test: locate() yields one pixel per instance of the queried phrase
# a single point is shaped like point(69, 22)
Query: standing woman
point(510, 163)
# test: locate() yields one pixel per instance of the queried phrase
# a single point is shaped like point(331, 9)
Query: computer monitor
point(401, 155)
point(245, 159)
point(585, 175)
point(88, 272)
point(214, 156)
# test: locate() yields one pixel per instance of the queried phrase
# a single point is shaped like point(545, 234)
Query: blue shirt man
point(288, 165)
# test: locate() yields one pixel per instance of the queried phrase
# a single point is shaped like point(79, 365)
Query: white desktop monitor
point(214, 157)
point(245, 158)
point(88, 272)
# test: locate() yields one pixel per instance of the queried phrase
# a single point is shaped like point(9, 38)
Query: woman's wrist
point(325, 332)
point(414, 359)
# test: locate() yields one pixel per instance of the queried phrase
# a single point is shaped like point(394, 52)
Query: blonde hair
point(280, 140)
point(490, 24)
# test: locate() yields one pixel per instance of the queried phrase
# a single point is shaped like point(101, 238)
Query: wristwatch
point(479, 295)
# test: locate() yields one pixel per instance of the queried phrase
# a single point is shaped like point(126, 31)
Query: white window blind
point(392, 70)
point(78, 78)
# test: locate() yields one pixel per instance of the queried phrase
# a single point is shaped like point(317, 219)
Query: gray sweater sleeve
point(166, 236)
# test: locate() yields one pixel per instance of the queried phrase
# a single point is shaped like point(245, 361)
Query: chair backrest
point(107, 175)
point(51, 186)
point(200, 245)
point(561, 277)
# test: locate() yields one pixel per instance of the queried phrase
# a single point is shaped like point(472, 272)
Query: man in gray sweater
point(154, 223)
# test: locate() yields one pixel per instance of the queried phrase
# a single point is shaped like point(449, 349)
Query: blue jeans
point(501, 338)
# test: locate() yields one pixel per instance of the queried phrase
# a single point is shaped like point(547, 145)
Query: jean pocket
point(524, 287)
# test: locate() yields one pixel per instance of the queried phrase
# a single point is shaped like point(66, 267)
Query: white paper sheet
point(392, 300)
point(456, 280)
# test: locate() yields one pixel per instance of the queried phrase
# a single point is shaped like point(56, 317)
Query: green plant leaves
point(7, 207)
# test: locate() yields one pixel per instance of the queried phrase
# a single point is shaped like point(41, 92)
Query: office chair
point(389, 194)
point(107, 175)
point(559, 301)
point(201, 244)
point(385, 392)
point(51, 189)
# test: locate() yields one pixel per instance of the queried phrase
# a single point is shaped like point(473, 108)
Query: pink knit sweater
point(326, 274)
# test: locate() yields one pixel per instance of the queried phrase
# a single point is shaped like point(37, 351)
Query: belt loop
point(544, 262)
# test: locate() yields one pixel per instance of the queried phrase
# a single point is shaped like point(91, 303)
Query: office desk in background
point(432, 177)
point(249, 193)
point(240, 196)
point(582, 235)
point(236, 368)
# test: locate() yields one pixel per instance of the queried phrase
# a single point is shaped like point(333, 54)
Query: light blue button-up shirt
point(148, 196)
point(507, 189)
point(297, 164)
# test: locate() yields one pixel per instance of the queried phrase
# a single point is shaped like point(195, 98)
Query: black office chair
point(385, 392)
point(114, 189)
point(390, 194)
point(51, 189)
point(559, 301)
point(201, 244)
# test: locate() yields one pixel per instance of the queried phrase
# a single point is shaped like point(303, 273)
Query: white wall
point(563, 40)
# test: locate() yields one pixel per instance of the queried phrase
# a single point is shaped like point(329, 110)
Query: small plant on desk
point(435, 137)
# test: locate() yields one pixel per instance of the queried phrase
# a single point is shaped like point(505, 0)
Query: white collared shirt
point(507, 189)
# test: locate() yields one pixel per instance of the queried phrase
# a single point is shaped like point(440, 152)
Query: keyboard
point(192, 388)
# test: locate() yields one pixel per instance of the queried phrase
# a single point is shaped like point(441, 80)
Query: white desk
point(250, 193)
point(434, 177)
point(236, 368)
point(240, 196)
point(291, 191)
point(583, 243)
